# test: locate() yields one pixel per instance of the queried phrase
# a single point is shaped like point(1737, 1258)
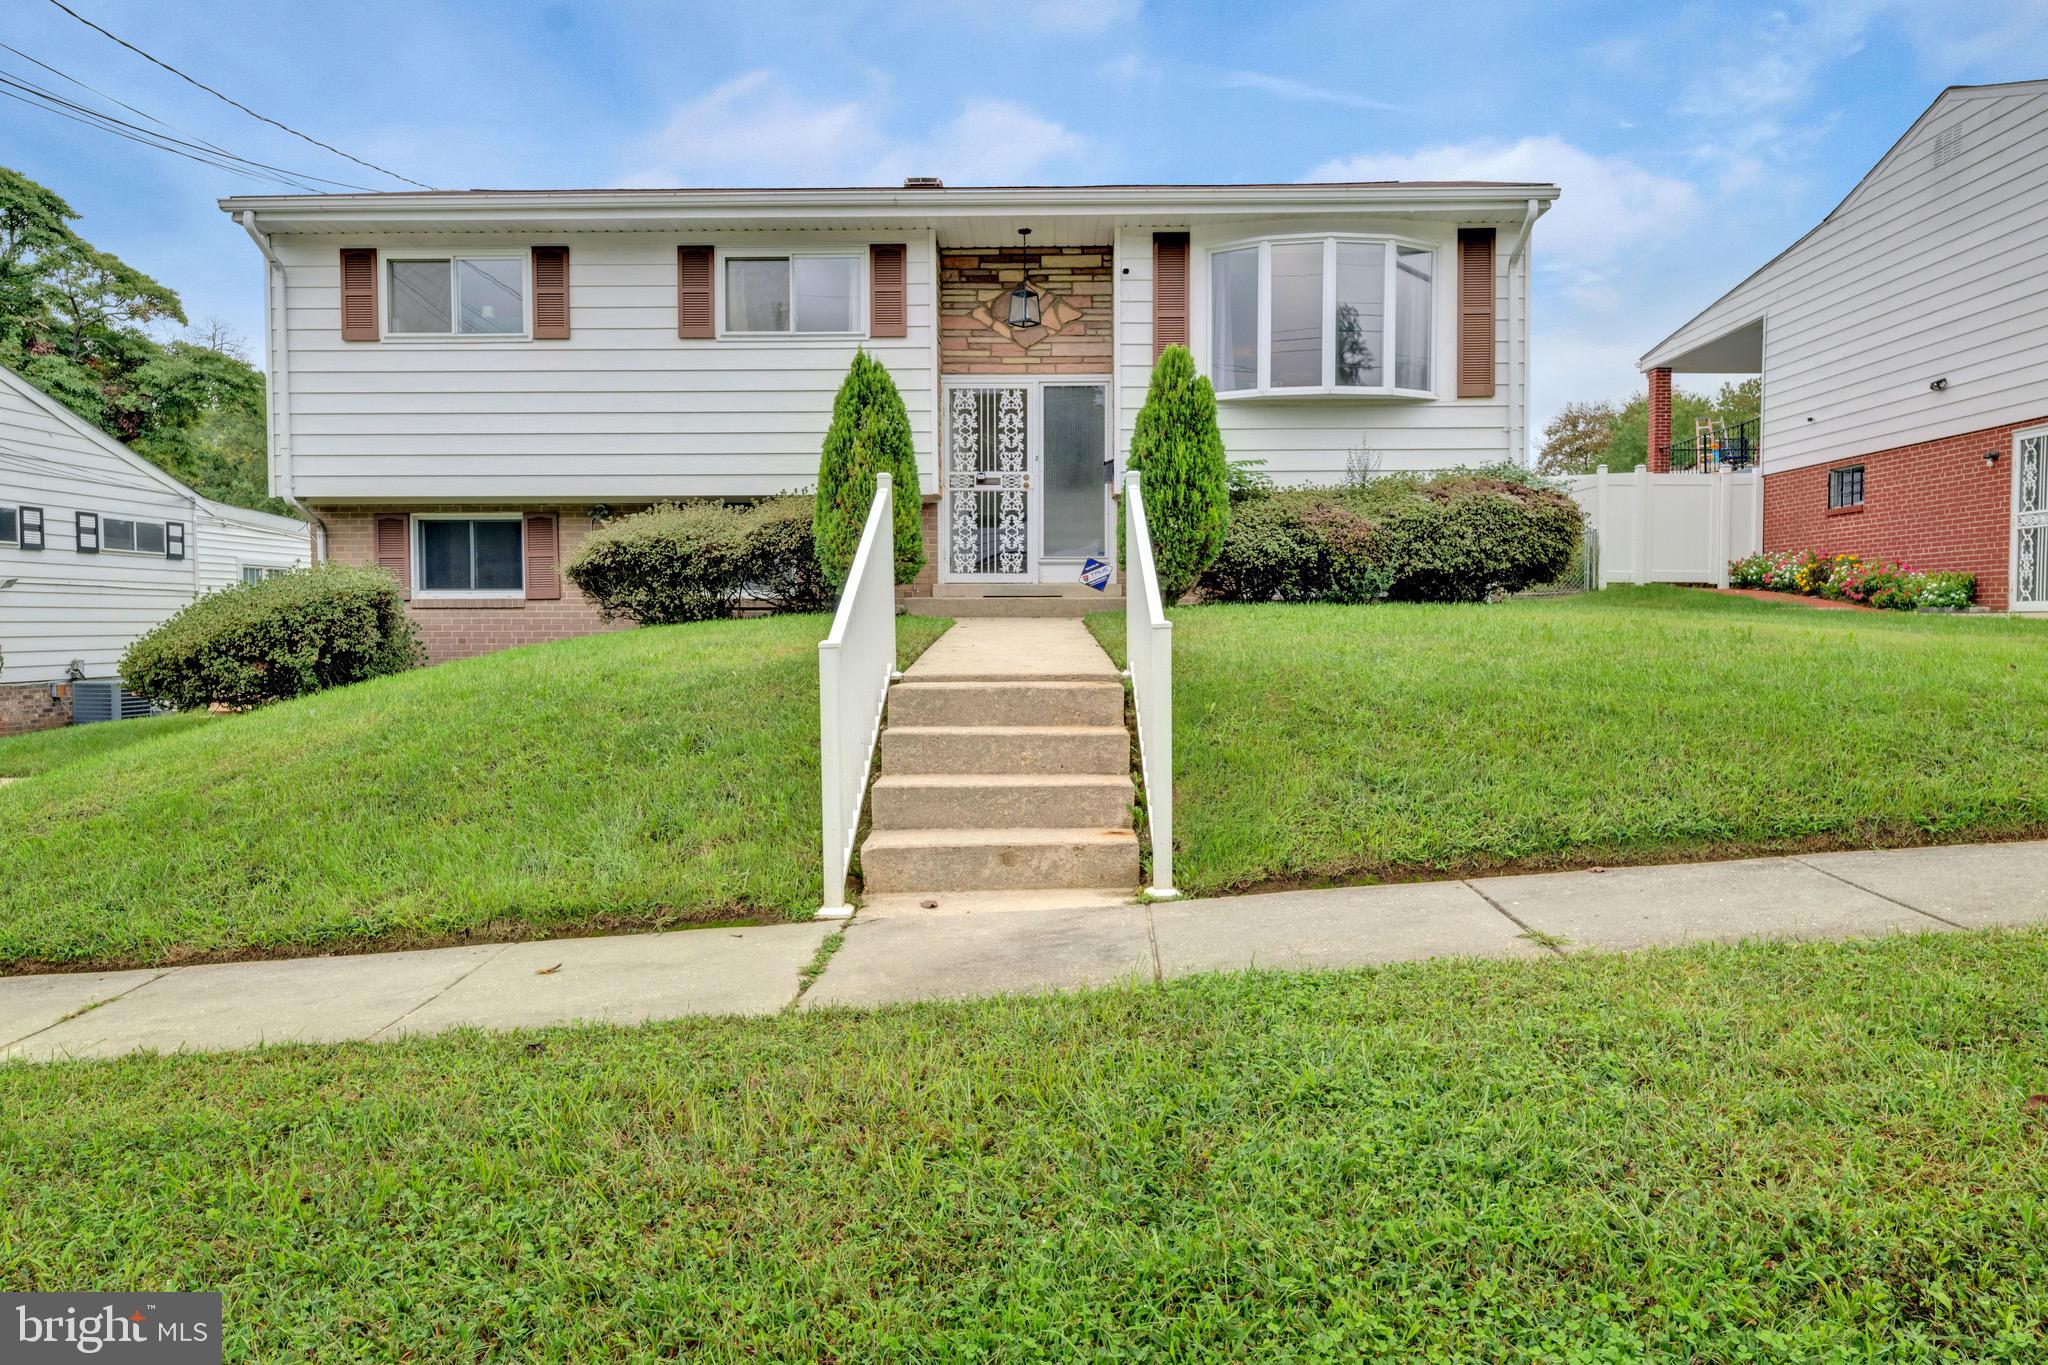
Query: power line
point(265, 118)
point(144, 113)
point(57, 104)
point(37, 97)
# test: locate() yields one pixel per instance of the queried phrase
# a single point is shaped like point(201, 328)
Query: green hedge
point(1454, 538)
point(286, 636)
point(697, 562)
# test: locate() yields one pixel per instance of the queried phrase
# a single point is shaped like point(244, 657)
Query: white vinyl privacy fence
point(856, 664)
point(1671, 528)
point(1148, 644)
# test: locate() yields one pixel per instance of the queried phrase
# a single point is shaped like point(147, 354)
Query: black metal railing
point(1739, 448)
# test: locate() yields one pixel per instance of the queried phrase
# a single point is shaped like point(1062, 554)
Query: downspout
point(277, 347)
point(1518, 425)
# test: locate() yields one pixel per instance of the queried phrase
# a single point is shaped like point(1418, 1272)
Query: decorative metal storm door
point(988, 483)
point(2030, 522)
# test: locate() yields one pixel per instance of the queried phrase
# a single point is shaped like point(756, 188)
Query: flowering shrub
point(1853, 578)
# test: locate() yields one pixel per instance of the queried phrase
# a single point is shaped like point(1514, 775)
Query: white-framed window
point(469, 556)
point(1329, 313)
point(10, 526)
point(256, 573)
point(794, 293)
point(482, 295)
point(122, 535)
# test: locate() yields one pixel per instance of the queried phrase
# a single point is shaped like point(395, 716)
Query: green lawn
point(650, 777)
point(1632, 725)
point(1766, 1153)
point(27, 755)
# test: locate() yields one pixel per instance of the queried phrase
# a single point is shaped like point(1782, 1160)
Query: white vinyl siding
point(1311, 439)
point(67, 606)
point(624, 409)
point(1929, 270)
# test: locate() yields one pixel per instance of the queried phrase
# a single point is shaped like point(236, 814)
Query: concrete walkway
point(982, 943)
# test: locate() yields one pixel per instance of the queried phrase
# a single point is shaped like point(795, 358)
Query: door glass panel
point(2030, 585)
point(1076, 443)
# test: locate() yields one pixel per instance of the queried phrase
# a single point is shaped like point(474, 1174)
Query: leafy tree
point(1628, 439)
point(77, 323)
point(1576, 438)
point(870, 433)
point(1177, 452)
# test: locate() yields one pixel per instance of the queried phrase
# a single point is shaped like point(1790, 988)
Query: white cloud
point(1298, 92)
point(754, 130)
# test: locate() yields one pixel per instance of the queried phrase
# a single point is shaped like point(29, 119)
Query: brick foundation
point(1933, 505)
point(921, 586)
point(461, 629)
point(29, 706)
point(1074, 286)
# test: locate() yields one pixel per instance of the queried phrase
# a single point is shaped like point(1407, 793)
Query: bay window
point(1322, 314)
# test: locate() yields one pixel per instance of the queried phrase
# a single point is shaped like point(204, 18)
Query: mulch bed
point(1796, 599)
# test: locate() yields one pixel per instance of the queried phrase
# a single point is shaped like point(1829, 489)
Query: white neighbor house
point(464, 383)
point(97, 545)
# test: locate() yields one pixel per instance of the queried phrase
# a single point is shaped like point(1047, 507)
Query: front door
point(1026, 481)
point(2030, 521)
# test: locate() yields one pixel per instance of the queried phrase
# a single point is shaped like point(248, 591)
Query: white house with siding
point(463, 384)
point(1903, 346)
point(98, 545)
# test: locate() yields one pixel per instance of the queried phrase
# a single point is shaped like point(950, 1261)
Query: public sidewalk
point(985, 944)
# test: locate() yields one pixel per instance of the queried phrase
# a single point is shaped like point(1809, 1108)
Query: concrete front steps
point(1005, 766)
point(1013, 608)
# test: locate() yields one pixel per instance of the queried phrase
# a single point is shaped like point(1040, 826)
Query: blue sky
point(1693, 142)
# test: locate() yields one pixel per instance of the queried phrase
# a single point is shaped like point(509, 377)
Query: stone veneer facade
point(34, 706)
point(1074, 287)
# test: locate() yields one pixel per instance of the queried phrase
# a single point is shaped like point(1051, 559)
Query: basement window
point(469, 556)
point(1845, 488)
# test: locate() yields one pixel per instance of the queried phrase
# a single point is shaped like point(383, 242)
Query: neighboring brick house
point(463, 384)
point(1903, 345)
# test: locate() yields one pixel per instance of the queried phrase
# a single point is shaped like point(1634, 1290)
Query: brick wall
point(1074, 304)
point(459, 629)
point(921, 586)
point(29, 706)
point(1932, 505)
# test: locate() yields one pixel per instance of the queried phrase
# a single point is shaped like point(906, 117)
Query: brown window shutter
point(694, 315)
point(543, 560)
point(888, 305)
point(358, 293)
point(394, 548)
point(1475, 312)
point(551, 293)
point(1169, 291)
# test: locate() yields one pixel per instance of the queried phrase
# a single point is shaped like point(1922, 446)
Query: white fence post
point(1642, 524)
point(1603, 502)
point(1724, 531)
point(856, 663)
point(1148, 644)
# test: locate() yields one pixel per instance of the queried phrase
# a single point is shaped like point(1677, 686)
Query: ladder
point(1710, 441)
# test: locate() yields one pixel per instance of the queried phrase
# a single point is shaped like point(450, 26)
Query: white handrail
point(856, 664)
point(1148, 644)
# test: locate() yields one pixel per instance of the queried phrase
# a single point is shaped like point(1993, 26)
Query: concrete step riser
point(997, 805)
point(988, 751)
point(1000, 867)
point(964, 608)
point(1006, 704)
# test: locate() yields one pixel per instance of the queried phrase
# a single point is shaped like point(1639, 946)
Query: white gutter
point(277, 349)
point(1518, 421)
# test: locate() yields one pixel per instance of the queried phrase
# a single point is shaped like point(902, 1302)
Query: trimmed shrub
point(870, 432)
point(779, 556)
point(1298, 546)
point(1177, 452)
point(1946, 590)
point(289, 635)
point(1467, 537)
point(1456, 538)
point(668, 564)
point(698, 561)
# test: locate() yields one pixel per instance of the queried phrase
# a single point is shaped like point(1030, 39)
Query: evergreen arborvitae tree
point(870, 432)
point(1178, 454)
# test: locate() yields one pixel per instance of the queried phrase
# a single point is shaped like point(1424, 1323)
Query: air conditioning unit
point(97, 699)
